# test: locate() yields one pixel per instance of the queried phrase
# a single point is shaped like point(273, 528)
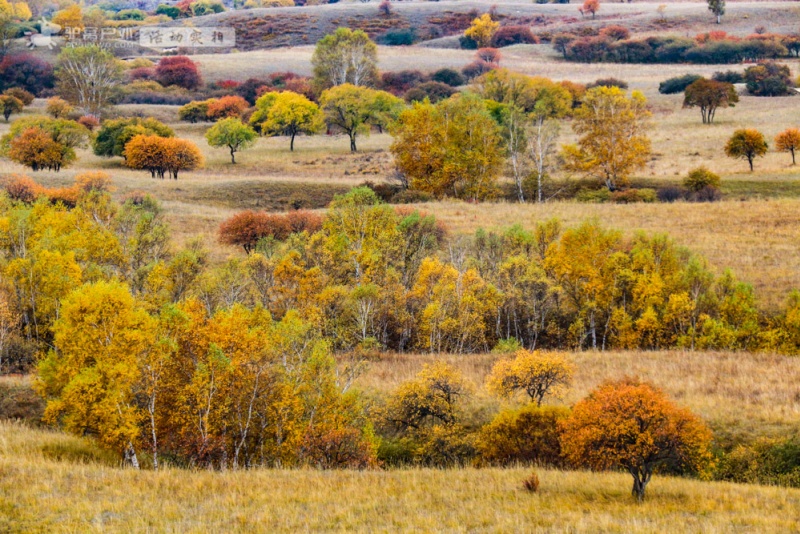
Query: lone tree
point(612, 139)
point(788, 141)
point(345, 56)
point(717, 7)
point(231, 133)
point(537, 374)
point(88, 76)
point(590, 6)
point(747, 143)
point(482, 30)
point(291, 114)
point(634, 426)
point(708, 95)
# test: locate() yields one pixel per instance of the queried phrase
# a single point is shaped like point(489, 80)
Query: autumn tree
point(162, 155)
point(701, 178)
point(89, 377)
point(634, 426)
point(717, 7)
point(747, 143)
point(788, 141)
point(291, 114)
point(432, 397)
point(482, 30)
point(69, 17)
point(180, 71)
point(26, 72)
point(708, 95)
point(536, 373)
point(451, 148)
point(115, 134)
point(590, 6)
point(345, 57)
point(58, 108)
point(24, 96)
point(36, 149)
point(612, 139)
point(354, 109)
point(10, 105)
point(226, 107)
point(231, 133)
point(89, 77)
point(195, 111)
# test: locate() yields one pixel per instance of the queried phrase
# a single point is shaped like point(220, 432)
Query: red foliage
point(489, 55)
point(616, 33)
point(228, 84)
point(180, 71)
point(511, 35)
point(304, 220)
point(142, 73)
point(22, 188)
point(398, 82)
point(477, 68)
point(27, 72)
point(90, 122)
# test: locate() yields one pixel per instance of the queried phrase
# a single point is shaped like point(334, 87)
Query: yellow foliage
point(536, 373)
point(482, 30)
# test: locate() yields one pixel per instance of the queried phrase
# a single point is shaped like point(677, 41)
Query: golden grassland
point(739, 394)
point(50, 482)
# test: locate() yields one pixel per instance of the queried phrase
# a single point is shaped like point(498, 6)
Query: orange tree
point(747, 143)
point(788, 141)
point(632, 425)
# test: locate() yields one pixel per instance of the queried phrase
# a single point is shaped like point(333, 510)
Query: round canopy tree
point(632, 425)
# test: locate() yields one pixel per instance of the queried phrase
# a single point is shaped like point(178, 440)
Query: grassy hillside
point(50, 482)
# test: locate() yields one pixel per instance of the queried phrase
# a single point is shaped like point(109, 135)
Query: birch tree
point(345, 56)
point(88, 76)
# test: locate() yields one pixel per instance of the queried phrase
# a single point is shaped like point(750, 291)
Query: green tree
point(290, 114)
point(746, 143)
point(231, 133)
point(345, 56)
point(717, 7)
point(352, 109)
point(9, 105)
point(612, 140)
point(115, 134)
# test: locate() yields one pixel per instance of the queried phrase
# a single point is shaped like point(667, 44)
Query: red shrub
point(142, 73)
point(27, 72)
point(247, 228)
point(398, 82)
point(228, 84)
point(180, 71)
point(511, 35)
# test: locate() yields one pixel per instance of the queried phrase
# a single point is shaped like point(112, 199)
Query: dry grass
point(741, 395)
point(50, 482)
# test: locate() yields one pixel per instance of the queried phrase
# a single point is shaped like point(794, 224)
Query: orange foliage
point(247, 228)
point(162, 155)
point(633, 426)
point(22, 188)
point(227, 106)
point(35, 148)
point(93, 181)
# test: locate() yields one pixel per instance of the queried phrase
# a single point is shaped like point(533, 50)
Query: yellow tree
point(89, 377)
point(536, 373)
point(291, 114)
point(612, 134)
point(70, 17)
point(482, 30)
point(634, 426)
point(354, 109)
point(746, 143)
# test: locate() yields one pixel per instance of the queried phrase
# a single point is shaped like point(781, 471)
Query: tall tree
point(88, 76)
point(612, 134)
point(89, 378)
point(634, 426)
point(452, 148)
point(788, 141)
point(345, 56)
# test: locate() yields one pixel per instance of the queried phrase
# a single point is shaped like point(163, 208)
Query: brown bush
point(93, 181)
point(90, 122)
point(68, 196)
point(247, 228)
point(304, 221)
point(22, 188)
point(24, 96)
